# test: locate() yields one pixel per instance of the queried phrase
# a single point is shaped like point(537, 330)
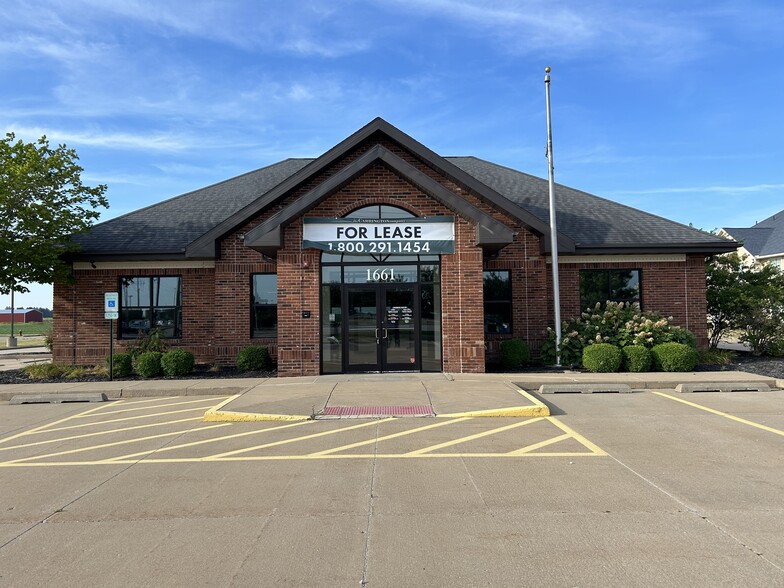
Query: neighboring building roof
point(763, 239)
point(189, 224)
point(19, 311)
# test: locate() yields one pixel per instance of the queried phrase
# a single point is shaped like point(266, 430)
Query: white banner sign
point(413, 236)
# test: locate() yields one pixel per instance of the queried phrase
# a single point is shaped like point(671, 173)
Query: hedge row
point(665, 357)
point(179, 362)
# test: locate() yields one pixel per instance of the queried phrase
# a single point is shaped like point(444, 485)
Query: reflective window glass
point(264, 315)
point(150, 302)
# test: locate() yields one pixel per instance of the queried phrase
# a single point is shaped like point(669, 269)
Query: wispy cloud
point(108, 140)
point(708, 189)
point(301, 28)
point(571, 28)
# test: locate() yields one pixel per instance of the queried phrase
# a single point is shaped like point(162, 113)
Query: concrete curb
point(537, 409)
point(216, 415)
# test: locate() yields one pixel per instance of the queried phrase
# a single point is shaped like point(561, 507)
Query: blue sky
point(673, 107)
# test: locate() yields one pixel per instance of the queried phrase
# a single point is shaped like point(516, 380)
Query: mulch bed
point(772, 367)
point(200, 372)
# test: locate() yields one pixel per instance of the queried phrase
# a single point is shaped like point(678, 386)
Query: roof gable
point(267, 237)
point(206, 245)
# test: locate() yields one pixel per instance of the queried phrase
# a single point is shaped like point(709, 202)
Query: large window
point(498, 302)
point(148, 302)
point(264, 314)
point(599, 286)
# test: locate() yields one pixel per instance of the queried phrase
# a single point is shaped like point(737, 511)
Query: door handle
point(376, 333)
point(386, 334)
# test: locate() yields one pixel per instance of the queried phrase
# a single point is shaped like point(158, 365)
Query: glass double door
point(382, 330)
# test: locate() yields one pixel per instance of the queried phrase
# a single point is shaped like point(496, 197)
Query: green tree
point(726, 284)
point(42, 204)
point(763, 318)
point(747, 299)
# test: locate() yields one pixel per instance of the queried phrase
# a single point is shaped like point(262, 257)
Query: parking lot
point(647, 489)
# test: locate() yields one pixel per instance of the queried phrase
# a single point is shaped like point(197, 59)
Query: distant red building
point(27, 315)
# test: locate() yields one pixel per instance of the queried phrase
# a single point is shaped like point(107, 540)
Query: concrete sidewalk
point(379, 394)
point(15, 358)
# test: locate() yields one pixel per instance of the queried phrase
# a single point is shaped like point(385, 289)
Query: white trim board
point(155, 265)
point(653, 258)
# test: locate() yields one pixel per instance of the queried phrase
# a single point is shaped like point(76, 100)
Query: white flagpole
point(553, 232)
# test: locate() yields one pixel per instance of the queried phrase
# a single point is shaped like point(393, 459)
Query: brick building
point(22, 315)
point(380, 255)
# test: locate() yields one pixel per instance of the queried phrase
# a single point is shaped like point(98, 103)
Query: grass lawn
point(26, 328)
point(25, 342)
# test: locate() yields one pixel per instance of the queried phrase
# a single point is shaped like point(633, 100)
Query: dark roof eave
point(128, 256)
point(653, 248)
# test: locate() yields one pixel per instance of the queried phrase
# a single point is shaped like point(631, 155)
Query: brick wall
point(675, 289)
point(80, 334)
point(217, 302)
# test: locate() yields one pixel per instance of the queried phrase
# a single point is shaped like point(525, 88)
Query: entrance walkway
point(381, 395)
point(443, 395)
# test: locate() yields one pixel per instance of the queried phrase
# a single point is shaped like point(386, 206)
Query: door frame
point(382, 364)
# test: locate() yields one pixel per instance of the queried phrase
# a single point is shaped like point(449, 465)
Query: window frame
point(508, 301)
point(608, 290)
point(254, 306)
point(151, 307)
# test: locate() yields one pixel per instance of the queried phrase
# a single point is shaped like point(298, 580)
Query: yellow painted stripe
point(387, 437)
point(128, 401)
point(306, 437)
point(577, 437)
point(138, 408)
point(472, 437)
point(304, 457)
point(512, 411)
point(110, 432)
point(122, 420)
point(205, 441)
point(114, 444)
point(723, 414)
point(545, 443)
point(225, 402)
point(227, 416)
point(48, 425)
point(536, 409)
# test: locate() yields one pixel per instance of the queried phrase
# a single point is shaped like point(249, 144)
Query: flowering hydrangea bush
point(619, 324)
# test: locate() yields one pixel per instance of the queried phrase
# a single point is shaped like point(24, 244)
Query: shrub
point(602, 357)
point(618, 323)
point(715, 356)
point(177, 362)
point(685, 336)
point(674, 357)
point(514, 353)
point(147, 342)
point(148, 365)
point(79, 372)
point(48, 341)
point(45, 371)
point(122, 365)
point(253, 358)
point(636, 358)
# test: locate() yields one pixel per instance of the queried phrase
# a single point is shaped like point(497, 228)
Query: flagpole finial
point(547, 69)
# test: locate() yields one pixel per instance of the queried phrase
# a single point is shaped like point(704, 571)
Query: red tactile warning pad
point(361, 411)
